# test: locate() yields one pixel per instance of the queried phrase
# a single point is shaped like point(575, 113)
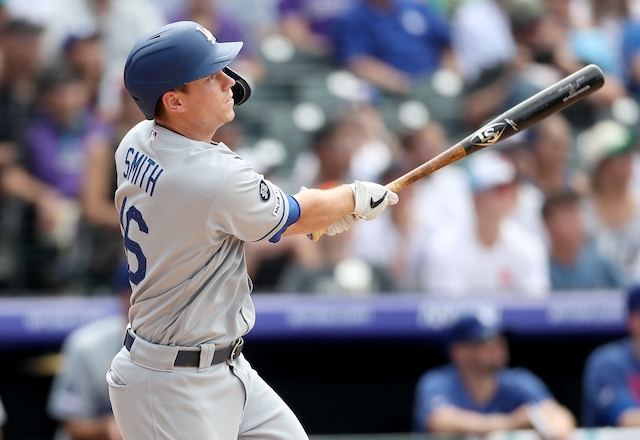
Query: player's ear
point(172, 101)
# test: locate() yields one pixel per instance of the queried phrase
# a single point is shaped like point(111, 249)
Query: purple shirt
point(320, 14)
point(57, 155)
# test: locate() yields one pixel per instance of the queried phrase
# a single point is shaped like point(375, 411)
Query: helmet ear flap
point(241, 90)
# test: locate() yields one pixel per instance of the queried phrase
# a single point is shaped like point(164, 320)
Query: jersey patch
point(153, 135)
point(265, 194)
point(278, 207)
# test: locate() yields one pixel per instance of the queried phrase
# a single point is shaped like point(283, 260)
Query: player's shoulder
point(610, 354)
point(518, 375)
point(441, 375)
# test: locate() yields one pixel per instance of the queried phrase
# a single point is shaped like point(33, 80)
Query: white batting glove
point(371, 199)
point(344, 224)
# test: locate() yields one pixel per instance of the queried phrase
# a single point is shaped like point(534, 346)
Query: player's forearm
point(561, 421)
point(321, 208)
point(629, 418)
point(89, 429)
point(458, 421)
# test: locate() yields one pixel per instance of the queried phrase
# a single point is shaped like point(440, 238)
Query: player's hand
point(371, 199)
point(344, 224)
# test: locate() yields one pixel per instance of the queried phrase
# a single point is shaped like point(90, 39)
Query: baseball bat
point(543, 104)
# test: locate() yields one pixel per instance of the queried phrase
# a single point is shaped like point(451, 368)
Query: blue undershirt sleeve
point(294, 216)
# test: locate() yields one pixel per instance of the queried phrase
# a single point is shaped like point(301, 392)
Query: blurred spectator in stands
point(224, 27)
point(378, 144)
point(496, 255)
point(20, 47)
point(309, 23)
point(101, 236)
point(612, 208)
point(396, 234)
point(612, 375)
point(263, 21)
point(551, 142)
point(541, 31)
point(481, 51)
point(56, 143)
point(328, 161)
point(120, 24)
point(79, 395)
point(83, 52)
point(326, 164)
point(336, 272)
point(477, 393)
point(433, 203)
point(574, 261)
point(19, 55)
point(392, 43)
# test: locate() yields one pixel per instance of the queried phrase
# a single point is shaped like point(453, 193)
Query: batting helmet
point(174, 55)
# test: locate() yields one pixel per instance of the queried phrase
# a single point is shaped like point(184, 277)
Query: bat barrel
point(543, 104)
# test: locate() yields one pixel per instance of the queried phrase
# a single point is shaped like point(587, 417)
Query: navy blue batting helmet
point(174, 55)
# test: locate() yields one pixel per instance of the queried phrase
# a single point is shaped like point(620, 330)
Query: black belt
point(192, 358)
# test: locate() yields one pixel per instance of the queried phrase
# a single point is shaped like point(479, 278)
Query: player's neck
point(481, 385)
point(187, 130)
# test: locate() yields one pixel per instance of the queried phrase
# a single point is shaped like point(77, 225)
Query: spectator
point(612, 208)
point(396, 233)
point(481, 50)
point(84, 53)
point(574, 261)
point(552, 145)
point(101, 236)
point(56, 143)
point(20, 46)
point(19, 55)
point(391, 43)
point(612, 375)
point(496, 255)
point(309, 23)
point(119, 22)
point(477, 393)
point(79, 395)
point(226, 28)
point(433, 203)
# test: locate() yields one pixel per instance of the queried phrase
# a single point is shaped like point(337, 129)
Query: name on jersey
point(141, 170)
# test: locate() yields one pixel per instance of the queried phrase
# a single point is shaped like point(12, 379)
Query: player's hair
point(559, 199)
point(160, 111)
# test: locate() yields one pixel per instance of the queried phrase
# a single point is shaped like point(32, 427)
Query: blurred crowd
point(554, 208)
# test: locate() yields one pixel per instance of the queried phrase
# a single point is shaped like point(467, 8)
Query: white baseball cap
point(488, 169)
point(604, 139)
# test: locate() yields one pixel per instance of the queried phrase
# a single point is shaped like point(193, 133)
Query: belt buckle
point(237, 349)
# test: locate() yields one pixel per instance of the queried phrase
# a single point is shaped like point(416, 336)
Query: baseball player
point(187, 205)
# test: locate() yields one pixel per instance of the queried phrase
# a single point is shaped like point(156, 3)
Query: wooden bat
point(543, 104)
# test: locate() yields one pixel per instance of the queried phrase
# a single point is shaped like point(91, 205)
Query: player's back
point(174, 198)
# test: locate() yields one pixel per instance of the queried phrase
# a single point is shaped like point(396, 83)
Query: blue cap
point(470, 328)
point(633, 298)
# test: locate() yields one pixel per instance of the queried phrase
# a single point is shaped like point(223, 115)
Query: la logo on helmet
point(207, 33)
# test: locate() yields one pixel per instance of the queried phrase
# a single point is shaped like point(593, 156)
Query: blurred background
point(542, 232)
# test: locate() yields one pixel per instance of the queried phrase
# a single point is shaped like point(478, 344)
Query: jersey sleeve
point(433, 390)
point(71, 394)
point(606, 391)
point(252, 208)
point(528, 387)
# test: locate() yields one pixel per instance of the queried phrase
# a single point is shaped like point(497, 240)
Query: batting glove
point(344, 224)
point(371, 199)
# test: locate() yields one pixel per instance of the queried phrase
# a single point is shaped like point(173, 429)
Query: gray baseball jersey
point(186, 209)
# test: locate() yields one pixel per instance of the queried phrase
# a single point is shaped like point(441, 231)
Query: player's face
point(209, 101)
